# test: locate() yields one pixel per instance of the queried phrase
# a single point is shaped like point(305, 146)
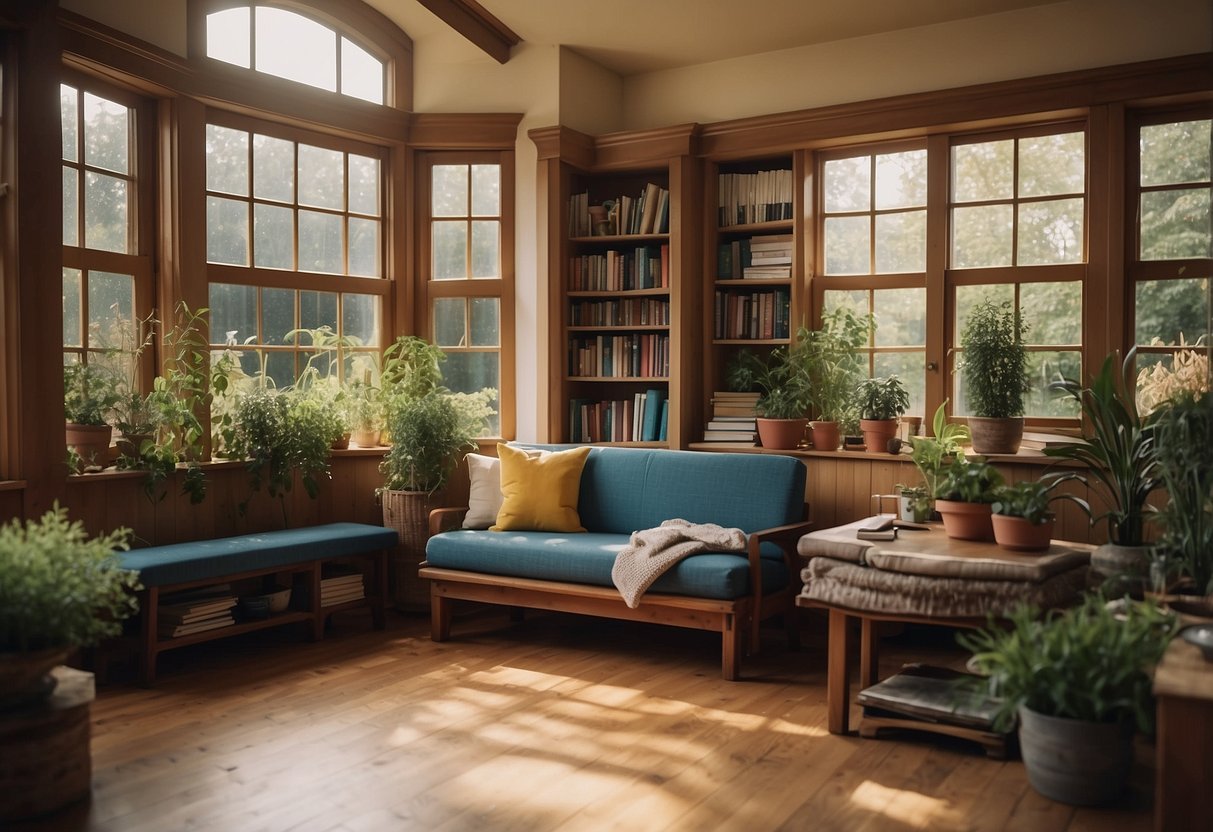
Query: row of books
point(646, 267)
point(646, 213)
point(195, 611)
point(752, 315)
point(340, 584)
point(754, 197)
point(642, 418)
point(755, 258)
point(638, 355)
point(625, 312)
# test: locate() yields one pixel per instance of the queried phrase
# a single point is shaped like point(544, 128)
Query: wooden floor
point(553, 723)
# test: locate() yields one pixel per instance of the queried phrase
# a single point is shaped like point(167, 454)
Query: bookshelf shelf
point(277, 620)
point(624, 293)
point(770, 227)
point(620, 379)
point(632, 328)
point(755, 281)
point(621, 239)
point(750, 342)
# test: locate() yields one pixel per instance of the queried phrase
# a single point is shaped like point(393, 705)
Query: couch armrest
point(445, 519)
point(785, 537)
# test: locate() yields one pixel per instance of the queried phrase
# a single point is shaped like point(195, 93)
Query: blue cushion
point(201, 559)
point(588, 558)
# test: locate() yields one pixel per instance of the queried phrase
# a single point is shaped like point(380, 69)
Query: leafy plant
point(89, 393)
point(994, 360)
point(881, 398)
point(781, 378)
point(1119, 451)
point(58, 588)
point(1031, 499)
point(1084, 663)
point(931, 454)
point(362, 409)
point(970, 481)
point(412, 368)
point(833, 360)
point(1187, 372)
point(1183, 452)
point(428, 432)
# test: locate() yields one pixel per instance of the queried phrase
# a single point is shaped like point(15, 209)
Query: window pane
point(273, 237)
point(1168, 309)
point(227, 36)
point(983, 171)
point(486, 322)
point(71, 207)
point(469, 372)
point(857, 300)
point(450, 191)
point(361, 73)
point(360, 318)
point(848, 184)
point(111, 303)
point(450, 250)
point(226, 231)
point(320, 242)
point(73, 331)
point(280, 368)
point(273, 168)
point(848, 249)
point(233, 313)
point(450, 323)
point(486, 248)
point(901, 242)
point(317, 309)
point(911, 368)
point(968, 297)
point(1053, 312)
point(67, 120)
point(321, 177)
point(901, 179)
point(1050, 232)
point(900, 317)
point(364, 185)
point(486, 190)
point(226, 160)
point(1175, 153)
point(277, 315)
point(1053, 164)
point(106, 134)
point(1175, 224)
point(105, 212)
point(1044, 368)
point(292, 46)
point(981, 236)
point(364, 247)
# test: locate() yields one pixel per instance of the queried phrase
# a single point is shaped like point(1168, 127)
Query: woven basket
point(408, 512)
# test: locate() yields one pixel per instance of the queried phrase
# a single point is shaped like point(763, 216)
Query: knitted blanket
point(650, 552)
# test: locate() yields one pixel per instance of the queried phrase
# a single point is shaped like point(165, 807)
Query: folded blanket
point(651, 552)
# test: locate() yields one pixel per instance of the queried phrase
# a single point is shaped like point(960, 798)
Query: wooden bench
point(298, 552)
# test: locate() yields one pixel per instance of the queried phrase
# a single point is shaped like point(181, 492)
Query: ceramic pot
point(1073, 761)
point(996, 436)
point(365, 438)
point(1018, 534)
point(826, 436)
point(1112, 559)
point(781, 434)
point(877, 433)
point(915, 510)
point(966, 521)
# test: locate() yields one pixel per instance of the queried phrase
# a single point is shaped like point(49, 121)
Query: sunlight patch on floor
point(903, 806)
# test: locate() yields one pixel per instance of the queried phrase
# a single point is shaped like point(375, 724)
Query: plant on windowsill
point(835, 367)
point(782, 381)
point(994, 364)
point(89, 393)
point(1021, 515)
point(1079, 682)
point(965, 495)
point(880, 401)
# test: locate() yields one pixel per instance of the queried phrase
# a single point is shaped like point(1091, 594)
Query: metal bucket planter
point(1073, 761)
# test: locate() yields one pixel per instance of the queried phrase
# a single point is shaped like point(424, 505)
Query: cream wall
point(591, 97)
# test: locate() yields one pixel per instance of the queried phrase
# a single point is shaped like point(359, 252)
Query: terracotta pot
point(130, 443)
point(91, 442)
point(877, 433)
point(966, 521)
point(781, 434)
point(996, 436)
point(826, 436)
point(1017, 533)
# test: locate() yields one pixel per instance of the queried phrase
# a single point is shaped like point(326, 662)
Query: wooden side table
point(1183, 686)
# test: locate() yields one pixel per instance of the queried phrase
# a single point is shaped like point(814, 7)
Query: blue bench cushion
point(182, 562)
point(588, 558)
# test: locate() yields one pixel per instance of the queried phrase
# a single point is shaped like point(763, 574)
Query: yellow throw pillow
point(540, 493)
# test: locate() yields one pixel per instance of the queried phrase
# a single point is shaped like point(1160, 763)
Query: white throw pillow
point(484, 491)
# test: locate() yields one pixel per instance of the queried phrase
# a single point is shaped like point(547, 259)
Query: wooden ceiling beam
point(474, 22)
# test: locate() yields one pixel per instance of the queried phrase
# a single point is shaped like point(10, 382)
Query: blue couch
point(629, 489)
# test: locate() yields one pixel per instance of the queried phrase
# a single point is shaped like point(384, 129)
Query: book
point(650, 198)
point(663, 431)
point(732, 423)
point(1042, 441)
point(654, 397)
point(196, 627)
point(714, 435)
point(933, 694)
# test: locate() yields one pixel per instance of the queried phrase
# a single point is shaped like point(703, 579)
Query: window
point(294, 239)
point(1016, 217)
point(1169, 188)
point(289, 45)
point(874, 209)
point(467, 269)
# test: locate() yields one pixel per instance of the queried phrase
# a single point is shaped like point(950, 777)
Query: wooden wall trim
point(464, 131)
point(477, 24)
point(616, 151)
point(560, 142)
point(1064, 94)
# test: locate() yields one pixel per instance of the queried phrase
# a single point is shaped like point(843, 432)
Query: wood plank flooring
point(554, 723)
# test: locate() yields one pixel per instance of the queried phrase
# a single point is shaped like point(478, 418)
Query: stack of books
point(340, 584)
point(733, 418)
point(770, 257)
point(195, 611)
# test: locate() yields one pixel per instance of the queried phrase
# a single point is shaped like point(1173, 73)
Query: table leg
point(838, 682)
point(869, 653)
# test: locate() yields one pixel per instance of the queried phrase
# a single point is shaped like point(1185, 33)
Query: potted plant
point(1021, 516)
point(1121, 467)
point(994, 365)
point(915, 503)
point(1078, 680)
point(89, 393)
point(931, 455)
point(880, 401)
point(785, 392)
point(363, 412)
point(966, 492)
point(834, 368)
point(59, 590)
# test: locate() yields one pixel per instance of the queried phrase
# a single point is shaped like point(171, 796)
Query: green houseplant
point(1079, 682)
point(835, 367)
point(89, 394)
point(932, 455)
point(1021, 512)
point(880, 401)
point(59, 590)
point(785, 391)
point(994, 366)
point(966, 493)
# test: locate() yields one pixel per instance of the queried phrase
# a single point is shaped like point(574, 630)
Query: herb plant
point(932, 454)
point(1183, 450)
point(781, 377)
point(833, 360)
point(881, 398)
point(89, 393)
point(994, 360)
point(970, 481)
point(1031, 499)
point(428, 432)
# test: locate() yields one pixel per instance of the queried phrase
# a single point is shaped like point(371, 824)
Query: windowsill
point(112, 473)
point(1025, 456)
point(12, 485)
